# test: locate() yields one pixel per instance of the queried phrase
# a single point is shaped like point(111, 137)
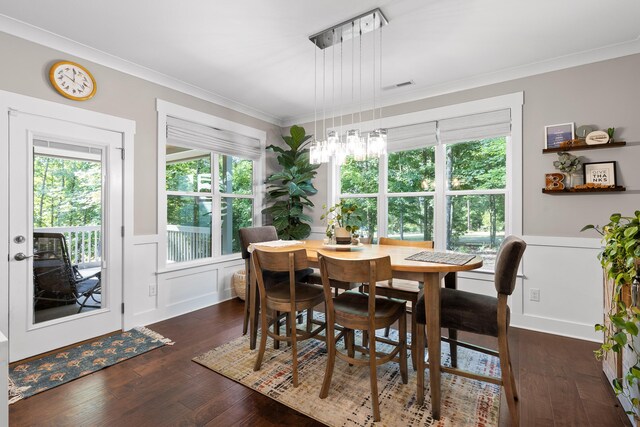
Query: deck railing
point(188, 243)
point(83, 242)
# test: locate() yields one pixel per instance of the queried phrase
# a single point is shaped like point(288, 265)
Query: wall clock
point(72, 80)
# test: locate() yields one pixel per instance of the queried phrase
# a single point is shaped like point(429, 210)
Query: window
point(449, 180)
point(212, 187)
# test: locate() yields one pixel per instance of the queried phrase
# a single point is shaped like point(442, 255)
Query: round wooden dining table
point(431, 274)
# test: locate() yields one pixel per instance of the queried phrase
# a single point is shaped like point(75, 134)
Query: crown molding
point(46, 38)
point(618, 50)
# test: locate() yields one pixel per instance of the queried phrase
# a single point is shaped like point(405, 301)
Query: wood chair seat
point(352, 310)
point(307, 296)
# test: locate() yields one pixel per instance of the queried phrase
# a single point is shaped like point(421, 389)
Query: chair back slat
point(427, 244)
point(251, 235)
point(356, 270)
point(507, 262)
point(278, 260)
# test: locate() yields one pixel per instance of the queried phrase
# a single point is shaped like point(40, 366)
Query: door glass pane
point(413, 170)
point(236, 214)
point(475, 224)
point(410, 218)
point(236, 175)
point(67, 228)
point(188, 170)
point(477, 165)
point(359, 177)
point(368, 209)
point(188, 228)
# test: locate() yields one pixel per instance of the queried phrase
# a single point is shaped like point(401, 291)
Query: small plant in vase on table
point(342, 222)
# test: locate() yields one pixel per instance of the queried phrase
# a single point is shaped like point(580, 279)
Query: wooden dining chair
point(289, 296)
point(410, 290)
point(479, 314)
point(359, 311)
point(248, 236)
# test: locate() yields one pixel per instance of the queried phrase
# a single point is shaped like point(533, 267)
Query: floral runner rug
point(37, 375)
point(465, 402)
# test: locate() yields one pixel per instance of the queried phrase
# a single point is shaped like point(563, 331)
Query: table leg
point(432, 306)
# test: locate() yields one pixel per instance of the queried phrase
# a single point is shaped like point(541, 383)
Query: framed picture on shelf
point(555, 135)
point(601, 173)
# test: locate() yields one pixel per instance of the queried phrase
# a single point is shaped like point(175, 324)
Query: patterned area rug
point(465, 402)
point(35, 376)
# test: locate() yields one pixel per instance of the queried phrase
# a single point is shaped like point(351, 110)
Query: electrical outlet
point(534, 295)
point(153, 290)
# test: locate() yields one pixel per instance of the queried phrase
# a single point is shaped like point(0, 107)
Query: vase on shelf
point(576, 179)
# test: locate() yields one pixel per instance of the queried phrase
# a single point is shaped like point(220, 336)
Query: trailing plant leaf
point(619, 258)
point(290, 188)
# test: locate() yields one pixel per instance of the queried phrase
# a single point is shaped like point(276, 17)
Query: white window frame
point(167, 109)
point(512, 190)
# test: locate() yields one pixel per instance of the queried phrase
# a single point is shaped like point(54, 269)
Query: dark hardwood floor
point(559, 381)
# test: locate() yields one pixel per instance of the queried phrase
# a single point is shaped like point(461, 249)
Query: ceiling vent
point(399, 85)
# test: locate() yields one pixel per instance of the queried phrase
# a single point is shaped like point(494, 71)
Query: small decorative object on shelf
point(554, 181)
point(558, 135)
point(602, 173)
point(610, 132)
point(569, 164)
point(597, 137)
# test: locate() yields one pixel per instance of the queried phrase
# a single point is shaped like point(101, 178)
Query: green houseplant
point(342, 215)
point(289, 189)
point(619, 258)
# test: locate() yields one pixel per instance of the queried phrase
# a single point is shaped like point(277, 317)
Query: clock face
point(72, 80)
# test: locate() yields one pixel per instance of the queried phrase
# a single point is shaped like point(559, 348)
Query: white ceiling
point(255, 56)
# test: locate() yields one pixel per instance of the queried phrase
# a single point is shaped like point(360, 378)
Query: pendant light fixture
point(337, 145)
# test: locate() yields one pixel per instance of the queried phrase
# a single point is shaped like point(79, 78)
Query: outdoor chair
point(56, 279)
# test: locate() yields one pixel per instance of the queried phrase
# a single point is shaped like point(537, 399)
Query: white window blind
point(475, 127)
point(209, 138)
point(411, 137)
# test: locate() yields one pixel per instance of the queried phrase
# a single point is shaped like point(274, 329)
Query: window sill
point(199, 263)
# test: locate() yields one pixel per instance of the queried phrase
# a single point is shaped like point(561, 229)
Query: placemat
point(442, 257)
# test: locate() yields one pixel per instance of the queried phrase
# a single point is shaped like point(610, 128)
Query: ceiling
point(255, 56)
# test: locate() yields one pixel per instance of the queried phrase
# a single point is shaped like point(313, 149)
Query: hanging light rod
point(367, 22)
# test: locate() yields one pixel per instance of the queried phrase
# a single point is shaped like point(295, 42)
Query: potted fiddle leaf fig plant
point(289, 189)
point(620, 259)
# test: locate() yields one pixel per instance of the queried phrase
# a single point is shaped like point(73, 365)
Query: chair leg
point(513, 380)
point(294, 346)
point(349, 337)
point(291, 322)
point(419, 339)
point(414, 322)
point(508, 382)
point(247, 296)
point(453, 348)
point(276, 330)
point(309, 319)
point(331, 361)
point(373, 374)
point(402, 330)
point(386, 331)
point(263, 339)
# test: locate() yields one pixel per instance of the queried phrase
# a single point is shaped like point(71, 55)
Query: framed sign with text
point(601, 173)
point(555, 135)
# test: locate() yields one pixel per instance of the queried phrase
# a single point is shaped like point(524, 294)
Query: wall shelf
point(584, 147)
point(585, 190)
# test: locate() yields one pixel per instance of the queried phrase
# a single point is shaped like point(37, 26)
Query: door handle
point(21, 257)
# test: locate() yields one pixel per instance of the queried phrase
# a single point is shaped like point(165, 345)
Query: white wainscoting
point(567, 273)
point(178, 291)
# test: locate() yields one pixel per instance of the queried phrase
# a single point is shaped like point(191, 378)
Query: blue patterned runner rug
point(35, 376)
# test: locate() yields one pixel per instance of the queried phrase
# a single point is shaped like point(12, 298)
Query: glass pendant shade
point(377, 143)
point(353, 141)
point(314, 153)
point(360, 152)
point(333, 142)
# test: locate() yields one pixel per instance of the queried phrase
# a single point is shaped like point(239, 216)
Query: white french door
point(61, 157)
